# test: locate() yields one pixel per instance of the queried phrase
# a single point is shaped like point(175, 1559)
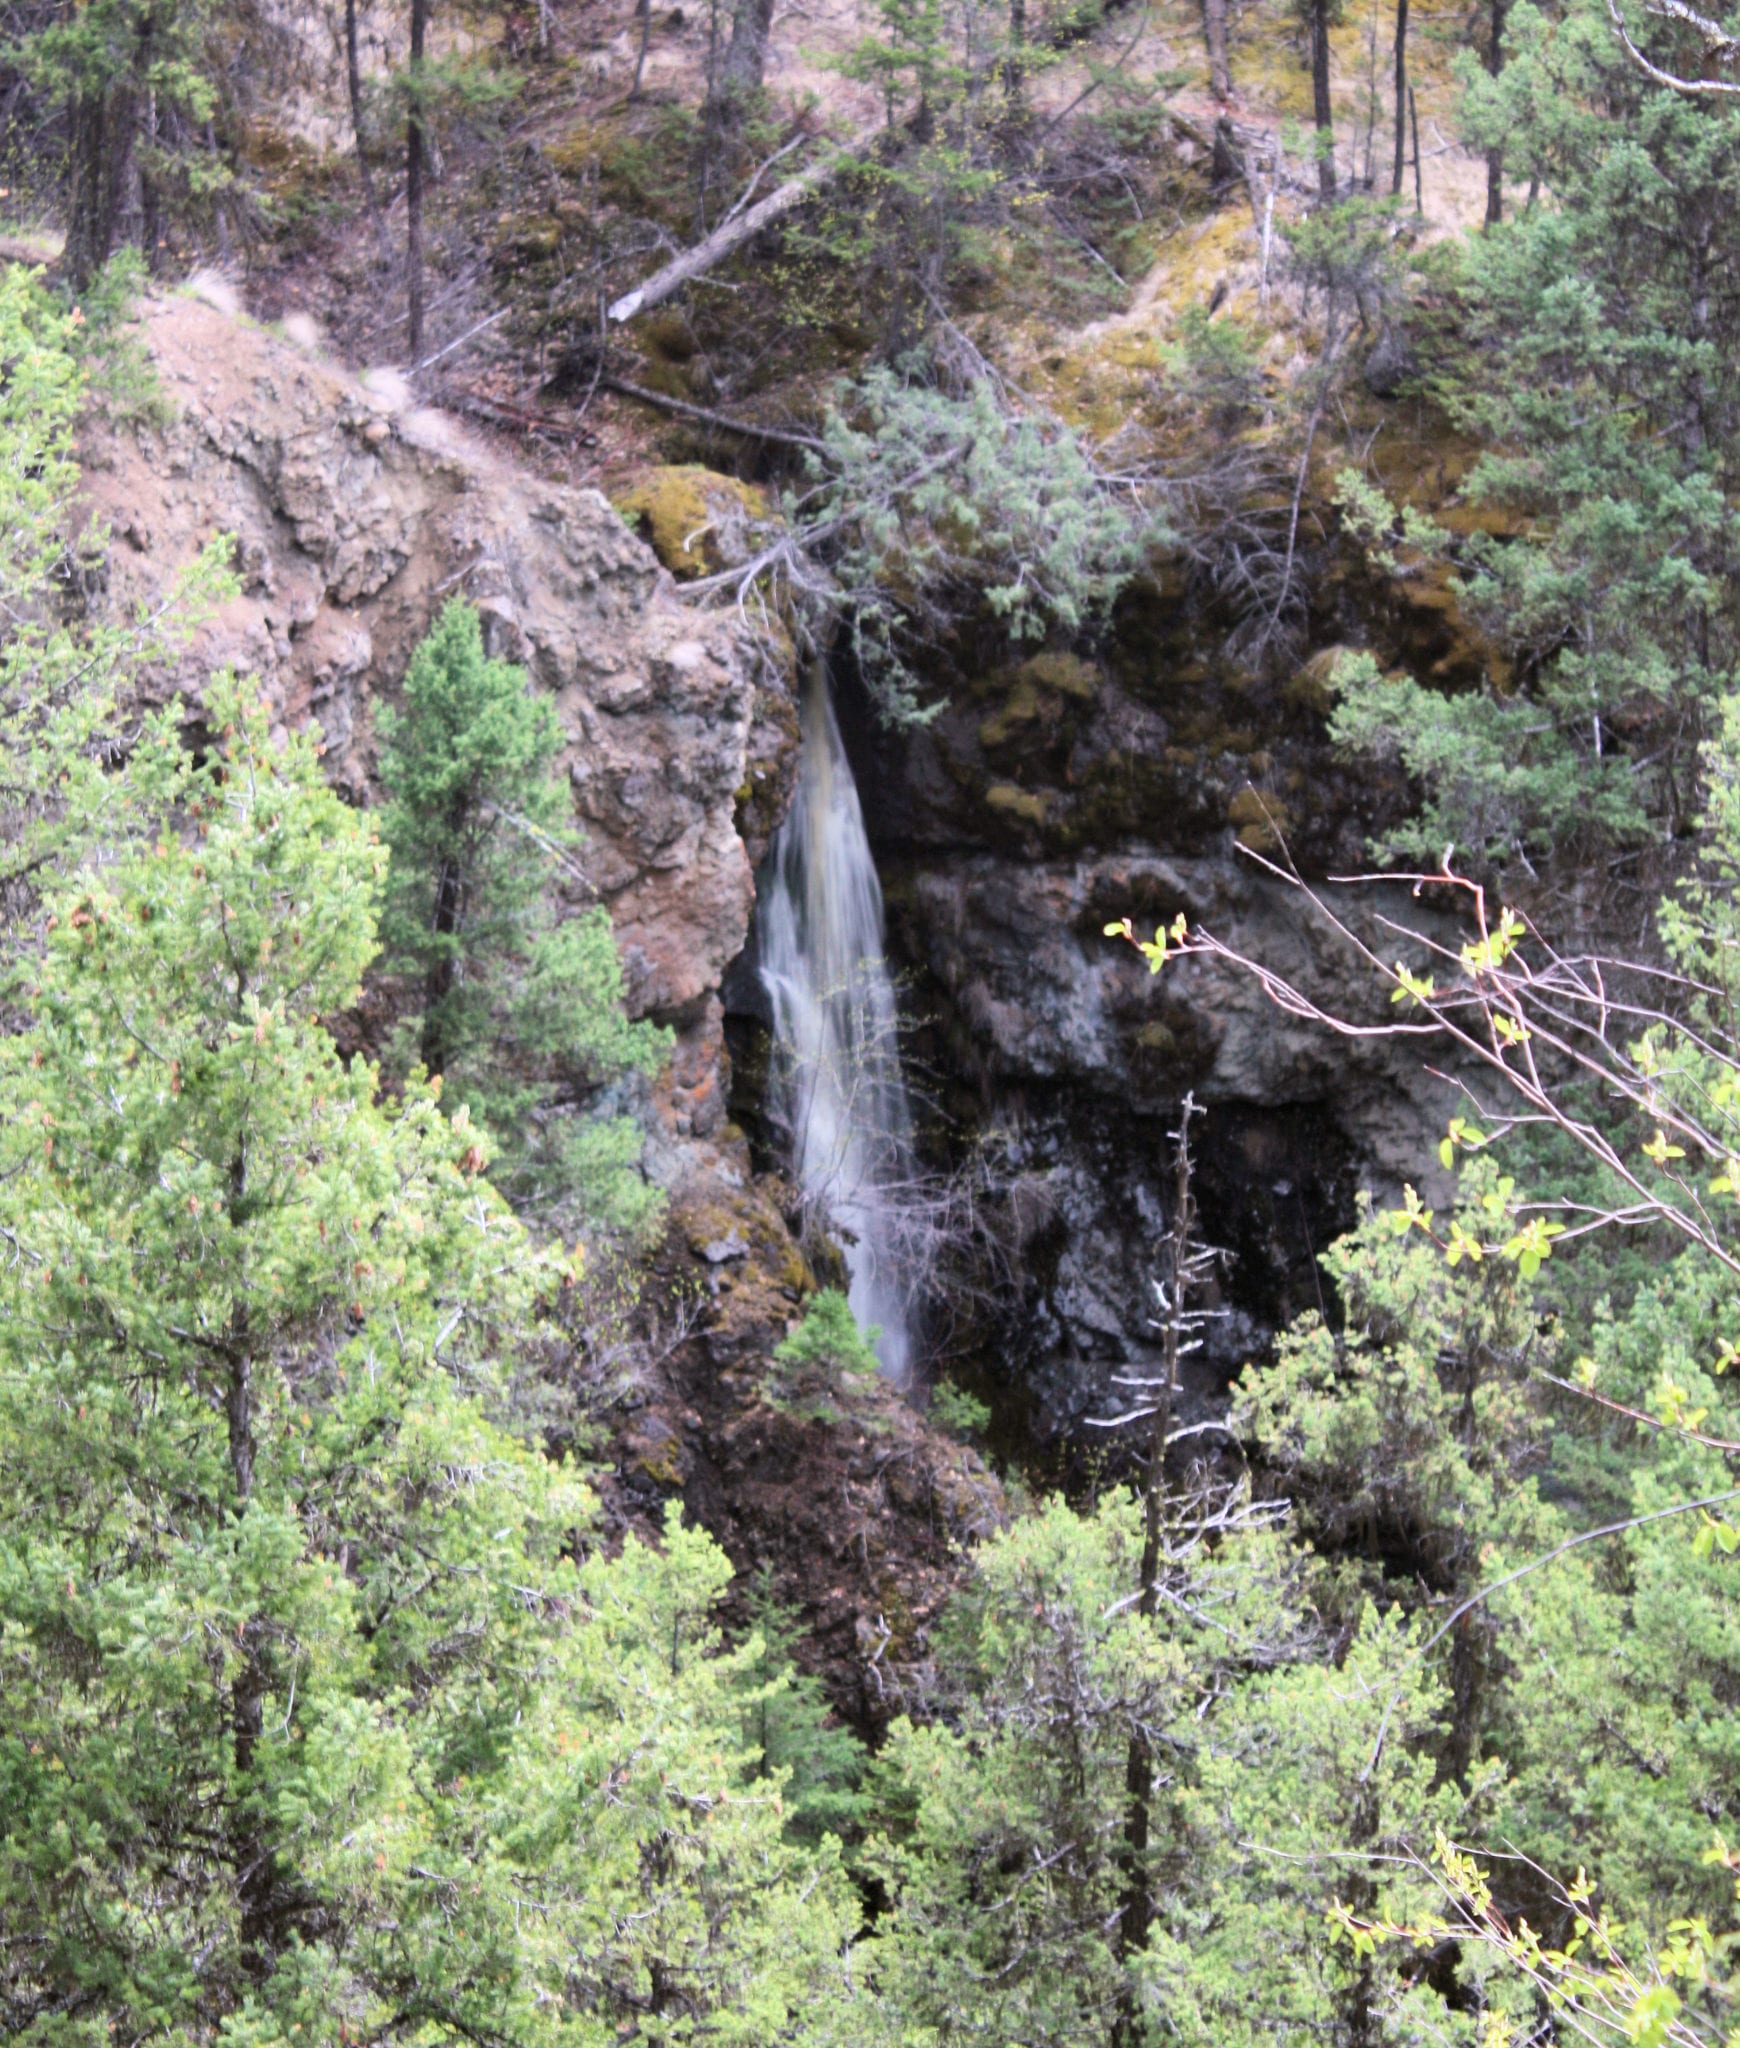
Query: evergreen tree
point(1004, 1850)
point(320, 1726)
point(789, 1729)
point(63, 672)
point(1600, 378)
point(134, 81)
point(519, 1016)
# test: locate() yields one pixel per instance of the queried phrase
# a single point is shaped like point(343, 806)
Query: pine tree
point(134, 79)
point(1598, 373)
point(320, 1726)
point(519, 1016)
point(788, 1727)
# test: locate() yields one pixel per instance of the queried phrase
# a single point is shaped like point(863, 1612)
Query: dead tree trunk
point(1322, 111)
point(732, 232)
point(1401, 98)
point(1186, 1264)
point(1214, 41)
point(1419, 184)
point(353, 83)
point(1495, 157)
point(643, 15)
point(416, 161)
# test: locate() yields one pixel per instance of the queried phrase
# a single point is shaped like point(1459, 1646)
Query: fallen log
point(734, 230)
point(702, 415)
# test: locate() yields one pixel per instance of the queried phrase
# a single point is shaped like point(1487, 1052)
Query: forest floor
point(331, 274)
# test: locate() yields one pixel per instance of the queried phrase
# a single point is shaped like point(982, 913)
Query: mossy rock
point(1019, 806)
point(1064, 675)
point(697, 521)
point(1312, 688)
point(1262, 821)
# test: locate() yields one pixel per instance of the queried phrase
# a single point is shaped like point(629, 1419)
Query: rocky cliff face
point(1049, 799)
point(354, 516)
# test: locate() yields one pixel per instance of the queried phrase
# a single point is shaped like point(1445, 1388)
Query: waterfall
point(841, 1094)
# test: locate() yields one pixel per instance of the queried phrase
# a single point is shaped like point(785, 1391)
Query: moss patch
point(1021, 710)
point(1313, 687)
point(1020, 806)
point(1065, 675)
point(1262, 821)
point(697, 521)
point(1039, 691)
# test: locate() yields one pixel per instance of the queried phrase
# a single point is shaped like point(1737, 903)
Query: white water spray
point(841, 1091)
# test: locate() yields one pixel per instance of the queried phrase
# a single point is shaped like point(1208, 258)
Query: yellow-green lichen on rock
point(1020, 806)
point(697, 521)
point(1038, 689)
point(1261, 821)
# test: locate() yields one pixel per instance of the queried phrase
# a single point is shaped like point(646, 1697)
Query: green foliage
point(956, 503)
point(922, 193)
point(1599, 374)
point(829, 1341)
point(121, 378)
point(825, 1361)
point(1486, 792)
point(520, 1016)
point(62, 672)
point(791, 1733)
point(100, 66)
point(1218, 363)
point(1625, 1658)
point(960, 1413)
point(315, 1726)
point(1412, 1432)
point(1005, 1851)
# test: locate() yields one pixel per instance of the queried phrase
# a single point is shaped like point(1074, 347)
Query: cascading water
point(841, 1094)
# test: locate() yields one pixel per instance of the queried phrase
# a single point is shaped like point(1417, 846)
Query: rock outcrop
point(1049, 799)
point(354, 515)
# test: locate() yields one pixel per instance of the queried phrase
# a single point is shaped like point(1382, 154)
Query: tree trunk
point(733, 232)
point(353, 82)
point(438, 983)
point(1401, 98)
point(249, 1847)
point(1495, 157)
point(1419, 183)
point(642, 14)
point(102, 147)
point(416, 156)
point(1323, 114)
point(746, 53)
point(1014, 65)
point(1214, 41)
point(150, 200)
